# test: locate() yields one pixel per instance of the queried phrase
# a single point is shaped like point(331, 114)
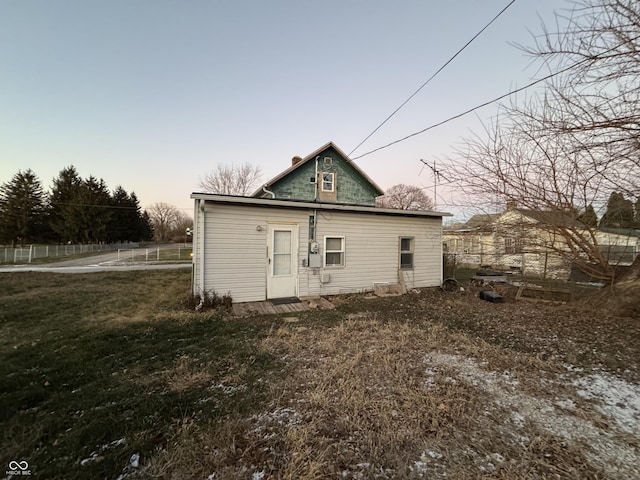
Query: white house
point(266, 248)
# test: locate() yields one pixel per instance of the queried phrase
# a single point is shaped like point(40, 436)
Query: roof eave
point(287, 203)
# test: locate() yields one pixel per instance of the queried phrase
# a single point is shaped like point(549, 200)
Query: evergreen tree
point(619, 212)
point(95, 212)
point(64, 206)
point(146, 227)
point(21, 208)
point(589, 217)
point(127, 222)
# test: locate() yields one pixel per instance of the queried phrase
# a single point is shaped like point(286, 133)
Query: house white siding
point(235, 249)
point(230, 250)
point(372, 253)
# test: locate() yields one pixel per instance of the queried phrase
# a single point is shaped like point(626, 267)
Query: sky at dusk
point(151, 95)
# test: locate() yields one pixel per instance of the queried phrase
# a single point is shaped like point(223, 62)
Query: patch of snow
point(419, 467)
point(518, 419)
point(430, 454)
point(614, 398)
point(134, 461)
point(257, 475)
point(605, 450)
point(281, 417)
point(229, 389)
point(91, 458)
point(567, 404)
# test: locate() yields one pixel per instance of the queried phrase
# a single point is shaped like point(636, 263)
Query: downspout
point(201, 242)
point(269, 192)
point(315, 197)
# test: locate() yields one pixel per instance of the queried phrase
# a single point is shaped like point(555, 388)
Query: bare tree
point(232, 179)
point(405, 197)
point(564, 152)
point(595, 104)
point(163, 219)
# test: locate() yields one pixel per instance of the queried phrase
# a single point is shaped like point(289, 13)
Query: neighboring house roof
point(551, 217)
point(331, 206)
point(312, 156)
point(545, 217)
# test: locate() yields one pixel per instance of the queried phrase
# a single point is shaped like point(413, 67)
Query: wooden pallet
point(247, 309)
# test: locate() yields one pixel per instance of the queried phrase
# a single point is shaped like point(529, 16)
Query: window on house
point(334, 251)
point(512, 245)
point(328, 183)
point(406, 252)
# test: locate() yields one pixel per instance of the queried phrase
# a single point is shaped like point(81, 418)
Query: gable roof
point(312, 156)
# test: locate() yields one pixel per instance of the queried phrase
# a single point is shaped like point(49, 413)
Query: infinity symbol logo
point(13, 465)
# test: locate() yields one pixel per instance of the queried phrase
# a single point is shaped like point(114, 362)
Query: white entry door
point(282, 261)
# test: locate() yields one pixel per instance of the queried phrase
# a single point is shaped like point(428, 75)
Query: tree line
point(75, 210)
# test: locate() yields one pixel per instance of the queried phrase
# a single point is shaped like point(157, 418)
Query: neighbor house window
point(406, 252)
point(334, 251)
point(512, 245)
point(328, 182)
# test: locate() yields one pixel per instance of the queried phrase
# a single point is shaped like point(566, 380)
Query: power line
point(432, 76)
point(466, 112)
point(93, 205)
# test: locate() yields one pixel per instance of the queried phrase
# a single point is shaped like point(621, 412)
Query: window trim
point(341, 251)
point(333, 182)
point(411, 252)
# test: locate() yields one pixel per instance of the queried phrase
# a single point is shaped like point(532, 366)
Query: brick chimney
point(512, 205)
point(296, 160)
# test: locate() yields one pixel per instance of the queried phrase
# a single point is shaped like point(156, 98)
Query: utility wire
point(477, 107)
point(432, 77)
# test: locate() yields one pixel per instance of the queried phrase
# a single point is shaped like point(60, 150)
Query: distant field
point(108, 375)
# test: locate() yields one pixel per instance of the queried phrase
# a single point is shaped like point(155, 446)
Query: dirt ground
point(435, 385)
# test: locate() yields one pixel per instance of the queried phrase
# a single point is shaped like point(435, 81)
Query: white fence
point(27, 254)
point(176, 253)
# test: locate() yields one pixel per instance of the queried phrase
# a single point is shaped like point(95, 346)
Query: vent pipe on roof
point(296, 160)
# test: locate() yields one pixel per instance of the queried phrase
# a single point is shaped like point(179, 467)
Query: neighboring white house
point(525, 240)
point(261, 248)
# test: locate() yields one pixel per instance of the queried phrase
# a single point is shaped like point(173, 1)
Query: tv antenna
point(436, 178)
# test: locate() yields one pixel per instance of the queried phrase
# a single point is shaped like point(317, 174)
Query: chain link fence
point(537, 264)
point(29, 253)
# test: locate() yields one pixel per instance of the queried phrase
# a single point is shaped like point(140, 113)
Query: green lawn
point(97, 366)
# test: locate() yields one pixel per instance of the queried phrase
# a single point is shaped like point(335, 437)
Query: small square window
point(406, 252)
point(334, 251)
point(327, 182)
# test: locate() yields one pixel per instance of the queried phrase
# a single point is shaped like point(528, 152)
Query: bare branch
point(231, 179)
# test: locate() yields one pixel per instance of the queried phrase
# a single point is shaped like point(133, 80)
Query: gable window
point(334, 251)
point(328, 182)
point(406, 252)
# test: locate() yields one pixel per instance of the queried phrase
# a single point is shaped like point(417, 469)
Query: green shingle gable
point(351, 185)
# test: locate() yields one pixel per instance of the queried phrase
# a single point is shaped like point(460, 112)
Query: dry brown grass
point(372, 398)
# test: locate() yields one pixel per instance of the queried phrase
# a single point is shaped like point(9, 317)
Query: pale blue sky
point(151, 95)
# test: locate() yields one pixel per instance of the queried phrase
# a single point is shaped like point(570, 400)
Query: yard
point(109, 375)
